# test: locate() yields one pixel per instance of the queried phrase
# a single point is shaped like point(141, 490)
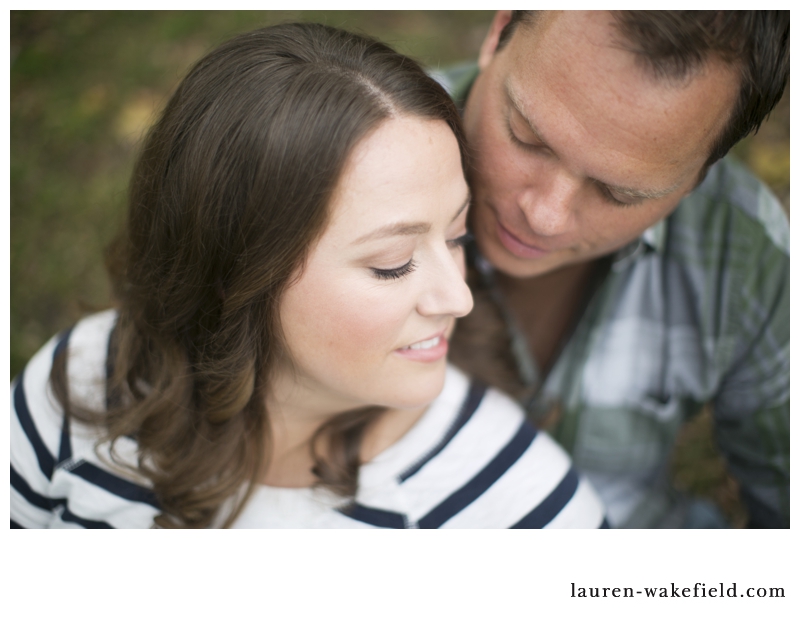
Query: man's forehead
point(546, 32)
point(566, 77)
point(527, 114)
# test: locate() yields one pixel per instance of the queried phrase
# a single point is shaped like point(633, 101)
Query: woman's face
point(367, 321)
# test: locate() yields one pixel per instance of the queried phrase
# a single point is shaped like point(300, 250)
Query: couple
point(290, 276)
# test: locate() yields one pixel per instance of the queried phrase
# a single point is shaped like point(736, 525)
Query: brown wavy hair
point(231, 189)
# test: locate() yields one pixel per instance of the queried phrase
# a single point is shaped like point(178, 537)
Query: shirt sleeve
point(751, 408)
point(36, 421)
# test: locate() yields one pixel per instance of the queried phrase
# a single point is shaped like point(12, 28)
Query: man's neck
point(546, 307)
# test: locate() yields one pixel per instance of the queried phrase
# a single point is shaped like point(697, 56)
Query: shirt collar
point(652, 240)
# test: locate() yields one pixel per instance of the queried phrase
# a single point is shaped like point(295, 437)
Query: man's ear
point(489, 45)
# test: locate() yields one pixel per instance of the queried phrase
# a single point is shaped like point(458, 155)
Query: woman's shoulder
point(87, 359)
point(85, 346)
point(38, 418)
point(499, 471)
point(60, 474)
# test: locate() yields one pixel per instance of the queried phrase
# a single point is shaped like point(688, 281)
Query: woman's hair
point(230, 191)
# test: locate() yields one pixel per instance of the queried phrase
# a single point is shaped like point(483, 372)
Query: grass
point(84, 87)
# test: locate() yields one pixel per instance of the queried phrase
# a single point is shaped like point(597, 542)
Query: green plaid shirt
point(696, 311)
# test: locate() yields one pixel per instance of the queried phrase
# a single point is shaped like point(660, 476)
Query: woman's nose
point(447, 292)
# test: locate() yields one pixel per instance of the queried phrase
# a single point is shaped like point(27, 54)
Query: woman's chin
point(419, 393)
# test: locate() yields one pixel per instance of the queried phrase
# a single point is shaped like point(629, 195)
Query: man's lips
point(517, 247)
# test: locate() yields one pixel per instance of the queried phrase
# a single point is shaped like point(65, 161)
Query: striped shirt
point(471, 461)
point(694, 312)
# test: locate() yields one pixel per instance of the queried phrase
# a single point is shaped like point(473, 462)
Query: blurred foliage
point(767, 152)
point(700, 470)
point(86, 85)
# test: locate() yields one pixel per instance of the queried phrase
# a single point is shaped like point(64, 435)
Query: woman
point(290, 271)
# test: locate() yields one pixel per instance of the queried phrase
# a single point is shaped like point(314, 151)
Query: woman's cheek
point(353, 316)
point(369, 318)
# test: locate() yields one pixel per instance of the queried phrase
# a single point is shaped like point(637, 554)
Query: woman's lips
point(426, 350)
point(517, 247)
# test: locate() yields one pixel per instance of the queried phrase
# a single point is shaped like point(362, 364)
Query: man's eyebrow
point(513, 99)
point(637, 194)
point(634, 193)
point(406, 228)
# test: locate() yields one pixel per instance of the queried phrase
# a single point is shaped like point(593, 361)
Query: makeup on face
point(367, 321)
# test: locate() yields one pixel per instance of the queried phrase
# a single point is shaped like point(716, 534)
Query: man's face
point(577, 148)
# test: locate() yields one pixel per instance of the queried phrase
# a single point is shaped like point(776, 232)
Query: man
point(624, 277)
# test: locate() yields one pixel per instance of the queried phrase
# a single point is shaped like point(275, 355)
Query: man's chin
point(516, 267)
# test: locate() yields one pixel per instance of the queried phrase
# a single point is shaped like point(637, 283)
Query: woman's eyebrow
point(407, 228)
point(398, 228)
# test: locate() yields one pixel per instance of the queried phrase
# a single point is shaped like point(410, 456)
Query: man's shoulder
point(727, 255)
point(731, 206)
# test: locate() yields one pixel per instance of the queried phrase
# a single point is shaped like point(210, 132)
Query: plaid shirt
point(694, 312)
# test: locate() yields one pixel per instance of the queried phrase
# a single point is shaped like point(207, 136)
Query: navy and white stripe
point(471, 461)
point(474, 397)
point(474, 463)
point(57, 478)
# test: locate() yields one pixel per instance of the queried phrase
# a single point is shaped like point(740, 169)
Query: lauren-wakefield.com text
point(700, 589)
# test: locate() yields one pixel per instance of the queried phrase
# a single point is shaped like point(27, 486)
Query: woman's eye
point(394, 273)
point(460, 242)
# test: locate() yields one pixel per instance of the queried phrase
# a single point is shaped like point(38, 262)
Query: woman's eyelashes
point(405, 270)
point(394, 273)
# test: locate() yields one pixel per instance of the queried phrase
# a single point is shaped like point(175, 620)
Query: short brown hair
point(673, 43)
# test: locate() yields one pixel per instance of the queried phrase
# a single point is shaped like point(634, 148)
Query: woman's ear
point(489, 45)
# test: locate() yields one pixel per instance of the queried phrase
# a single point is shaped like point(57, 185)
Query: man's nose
point(548, 203)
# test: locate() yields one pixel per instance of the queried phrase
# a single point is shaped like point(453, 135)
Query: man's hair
point(673, 44)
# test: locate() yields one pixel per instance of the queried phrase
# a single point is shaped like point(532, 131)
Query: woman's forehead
point(406, 171)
